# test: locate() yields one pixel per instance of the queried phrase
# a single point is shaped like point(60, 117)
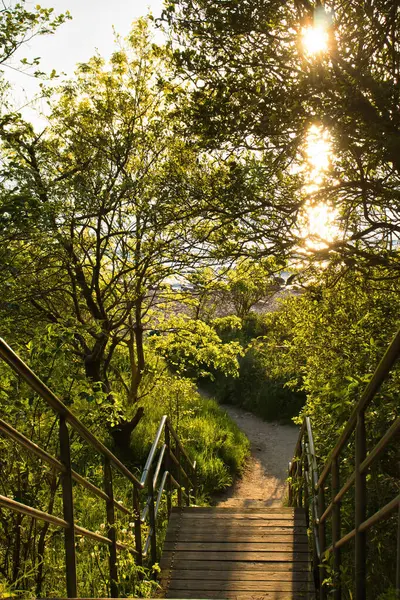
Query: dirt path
point(272, 447)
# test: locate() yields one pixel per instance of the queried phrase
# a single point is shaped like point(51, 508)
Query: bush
point(206, 431)
point(259, 388)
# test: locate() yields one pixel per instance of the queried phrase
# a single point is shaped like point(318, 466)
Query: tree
point(255, 86)
point(328, 342)
point(19, 25)
point(250, 282)
point(97, 211)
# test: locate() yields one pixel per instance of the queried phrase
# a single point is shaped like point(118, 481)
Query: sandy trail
point(272, 446)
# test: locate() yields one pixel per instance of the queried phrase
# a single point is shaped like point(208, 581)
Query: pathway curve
point(272, 446)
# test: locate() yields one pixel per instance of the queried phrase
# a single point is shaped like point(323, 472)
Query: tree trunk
point(121, 434)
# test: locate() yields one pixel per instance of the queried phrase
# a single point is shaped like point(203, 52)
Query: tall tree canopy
point(256, 86)
point(19, 23)
point(101, 208)
point(97, 211)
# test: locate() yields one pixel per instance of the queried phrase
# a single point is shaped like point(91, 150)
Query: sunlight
point(320, 225)
point(319, 220)
point(318, 151)
point(315, 40)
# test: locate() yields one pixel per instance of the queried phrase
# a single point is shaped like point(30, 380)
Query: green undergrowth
point(207, 433)
point(259, 388)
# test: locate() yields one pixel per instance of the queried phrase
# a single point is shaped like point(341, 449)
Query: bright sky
point(76, 41)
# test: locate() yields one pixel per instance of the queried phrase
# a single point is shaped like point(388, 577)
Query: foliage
point(19, 24)
point(209, 436)
point(249, 282)
point(101, 210)
point(193, 347)
point(255, 86)
point(31, 554)
point(332, 339)
point(259, 387)
point(96, 213)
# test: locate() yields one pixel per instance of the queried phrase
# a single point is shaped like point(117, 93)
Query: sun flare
point(319, 219)
point(315, 40)
point(321, 225)
point(318, 151)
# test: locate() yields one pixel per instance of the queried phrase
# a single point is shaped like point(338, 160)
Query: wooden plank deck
point(257, 553)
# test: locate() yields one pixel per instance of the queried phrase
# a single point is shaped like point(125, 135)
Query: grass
point(207, 433)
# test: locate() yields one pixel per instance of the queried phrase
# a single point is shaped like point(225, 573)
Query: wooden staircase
point(256, 552)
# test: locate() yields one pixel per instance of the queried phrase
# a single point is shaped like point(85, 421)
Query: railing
point(307, 488)
point(156, 478)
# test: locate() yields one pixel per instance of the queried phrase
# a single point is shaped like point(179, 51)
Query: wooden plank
point(207, 524)
point(235, 509)
point(228, 536)
point(239, 586)
point(236, 575)
point(240, 523)
point(240, 546)
point(249, 555)
point(240, 564)
point(241, 529)
point(245, 595)
point(238, 516)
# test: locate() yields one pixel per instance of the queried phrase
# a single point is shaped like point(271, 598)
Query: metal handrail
point(153, 450)
point(300, 480)
point(22, 369)
point(383, 369)
point(149, 480)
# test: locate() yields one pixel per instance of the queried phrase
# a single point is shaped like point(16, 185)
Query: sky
point(76, 41)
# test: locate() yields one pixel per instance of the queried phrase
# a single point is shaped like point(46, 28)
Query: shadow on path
point(272, 446)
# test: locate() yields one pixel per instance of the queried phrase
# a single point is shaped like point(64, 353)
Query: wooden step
point(237, 552)
point(250, 503)
point(234, 509)
point(202, 585)
point(238, 575)
point(203, 595)
point(244, 546)
point(240, 535)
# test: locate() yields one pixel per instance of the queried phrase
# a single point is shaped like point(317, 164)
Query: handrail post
point(322, 539)
point(168, 468)
point(398, 555)
point(360, 509)
point(195, 482)
point(290, 486)
point(138, 526)
point(68, 510)
point(300, 476)
point(187, 491)
point(336, 529)
point(306, 475)
point(112, 534)
point(152, 516)
point(179, 476)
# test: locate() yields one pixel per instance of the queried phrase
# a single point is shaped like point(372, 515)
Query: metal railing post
point(398, 555)
point(336, 529)
point(112, 534)
point(179, 475)
point(360, 510)
point(138, 526)
point(152, 517)
point(187, 491)
point(169, 468)
point(300, 476)
point(68, 510)
point(290, 486)
point(322, 540)
point(194, 482)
